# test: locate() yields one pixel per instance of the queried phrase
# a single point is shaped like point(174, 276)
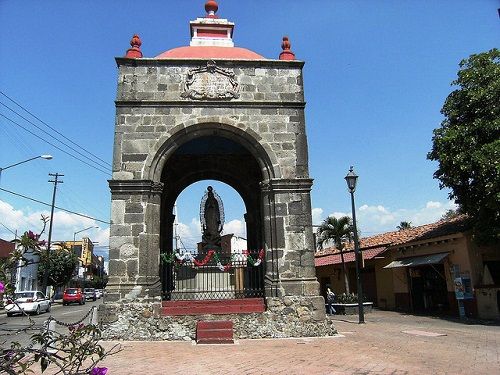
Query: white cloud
point(373, 219)
point(64, 226)
point(339, 214)
point(377, 218)
point(316, 215)
point(237, 227)
point(432, 204)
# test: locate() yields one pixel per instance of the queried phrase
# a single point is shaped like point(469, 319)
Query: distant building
point(25, 276)
point(230, 244)
point(427, 269)
point(84, 250)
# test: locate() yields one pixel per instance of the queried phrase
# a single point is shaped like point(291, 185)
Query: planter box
point(351, 308)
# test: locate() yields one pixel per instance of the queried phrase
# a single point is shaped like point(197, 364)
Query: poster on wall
point(459, 288)
point(463, 288)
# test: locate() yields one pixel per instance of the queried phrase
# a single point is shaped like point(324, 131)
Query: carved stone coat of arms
point(210, 83)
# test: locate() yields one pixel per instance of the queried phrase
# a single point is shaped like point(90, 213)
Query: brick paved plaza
point(429, 346)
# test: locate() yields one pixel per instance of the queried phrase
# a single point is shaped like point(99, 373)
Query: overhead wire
point(51, 128)
point(43, 131)
point(59, 208)
point(13, 133)
point(57, 147)
point(72, 197)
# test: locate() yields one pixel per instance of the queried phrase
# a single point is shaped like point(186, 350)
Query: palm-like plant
point(404, 225)
point(339, 231)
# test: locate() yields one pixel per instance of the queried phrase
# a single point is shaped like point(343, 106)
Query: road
point(11, 328)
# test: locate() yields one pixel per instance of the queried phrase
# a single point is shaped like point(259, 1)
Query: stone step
point(236, 306)
point(214, 332)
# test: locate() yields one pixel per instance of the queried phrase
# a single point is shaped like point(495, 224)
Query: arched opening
point(220, 158)
point(187, 223)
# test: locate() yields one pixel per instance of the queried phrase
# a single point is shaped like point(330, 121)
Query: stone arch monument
point(211, 110)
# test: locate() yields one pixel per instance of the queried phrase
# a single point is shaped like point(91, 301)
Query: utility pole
point(55, 181)
point(176, 234)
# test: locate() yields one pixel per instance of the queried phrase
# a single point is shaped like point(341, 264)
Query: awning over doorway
point(418, 261)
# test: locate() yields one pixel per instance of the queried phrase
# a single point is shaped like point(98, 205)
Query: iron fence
point(209, 275)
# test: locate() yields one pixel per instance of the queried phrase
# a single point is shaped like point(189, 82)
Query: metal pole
point(47, 157)
point(46, 271)
point(357, 253)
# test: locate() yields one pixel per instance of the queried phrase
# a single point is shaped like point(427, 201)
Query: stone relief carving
point(210, 82)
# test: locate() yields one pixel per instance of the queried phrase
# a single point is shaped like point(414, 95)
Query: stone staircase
point(214, 332)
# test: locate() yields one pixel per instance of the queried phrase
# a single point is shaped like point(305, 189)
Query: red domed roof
point(210, 52)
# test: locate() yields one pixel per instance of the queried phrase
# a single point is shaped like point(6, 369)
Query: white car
point(98, 293)
point(30, 301)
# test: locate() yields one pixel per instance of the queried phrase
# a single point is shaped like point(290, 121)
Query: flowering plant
point(77, 352)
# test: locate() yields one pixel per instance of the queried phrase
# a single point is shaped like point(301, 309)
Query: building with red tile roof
point(6, 248)
point(416, 269)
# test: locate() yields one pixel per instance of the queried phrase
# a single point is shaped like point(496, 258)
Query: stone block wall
point(154, 117)
point(285, 317)
point(150, 110)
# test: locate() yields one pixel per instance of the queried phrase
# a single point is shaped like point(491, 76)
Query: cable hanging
point(57, 147)
point(51, 128)
point(59, 208)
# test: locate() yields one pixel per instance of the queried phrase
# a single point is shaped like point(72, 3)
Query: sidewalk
point(390, 343)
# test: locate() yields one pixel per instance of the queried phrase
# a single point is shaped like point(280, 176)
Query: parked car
point(90, 294)
point(29, 301)
point(98, 293)
point(73, 295)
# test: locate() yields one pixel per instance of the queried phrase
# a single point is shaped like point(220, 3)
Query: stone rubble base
point(285, 317)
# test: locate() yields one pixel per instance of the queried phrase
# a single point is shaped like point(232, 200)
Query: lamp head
point(46, 157)
point(351, 180)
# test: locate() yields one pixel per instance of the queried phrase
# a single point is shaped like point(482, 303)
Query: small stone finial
point(286, 54)
point(135, 51)
point(211, 8)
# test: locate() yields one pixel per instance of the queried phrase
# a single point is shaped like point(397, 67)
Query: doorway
point(429, 293)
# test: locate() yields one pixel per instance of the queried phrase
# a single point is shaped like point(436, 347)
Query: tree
point(450, 214)
point(61, 266)
point(467, 145)
point(404, 225)
point(77, 352)
point(339, 231)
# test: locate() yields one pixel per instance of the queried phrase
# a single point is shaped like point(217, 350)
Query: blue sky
point(376, 76)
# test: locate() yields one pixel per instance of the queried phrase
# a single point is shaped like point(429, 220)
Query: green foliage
point(404, 225)
point(76, 352)
point(349, 298)
point(97, 282)
point(467, 145)
point(336, 231)
point(339, 231)
point(450, 214)
point(61, 266)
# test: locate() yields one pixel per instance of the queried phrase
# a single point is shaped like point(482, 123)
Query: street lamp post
point(352, 179)
point(46, 157)
point(83, 230)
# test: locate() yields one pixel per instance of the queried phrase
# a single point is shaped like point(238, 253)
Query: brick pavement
point(378, 347)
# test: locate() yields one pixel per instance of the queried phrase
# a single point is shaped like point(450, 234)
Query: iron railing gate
point(222, 276)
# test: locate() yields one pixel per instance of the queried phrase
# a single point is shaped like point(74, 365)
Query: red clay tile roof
point(210, 52)
point(395, 238)
point(6, 248)
point(326, 260)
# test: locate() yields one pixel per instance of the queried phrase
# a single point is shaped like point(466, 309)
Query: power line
point(59, 208)
point(53, 145)
point(44, 132)
point(50, 127)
